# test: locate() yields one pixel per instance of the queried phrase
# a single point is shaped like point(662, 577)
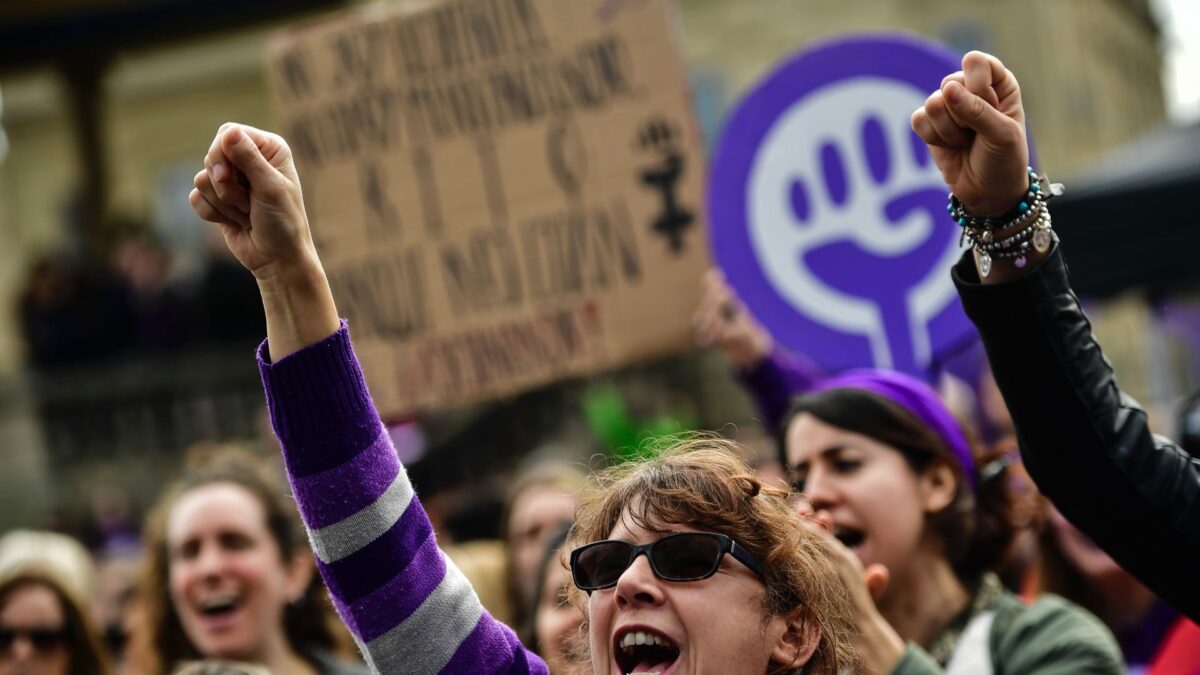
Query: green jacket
point(1049, 637)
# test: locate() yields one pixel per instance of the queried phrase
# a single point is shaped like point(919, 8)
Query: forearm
point(299, 307)
point(1088, 448)
point(407, 606)
point(775, 380)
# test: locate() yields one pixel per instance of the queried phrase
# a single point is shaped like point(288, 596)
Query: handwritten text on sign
point(504, 192)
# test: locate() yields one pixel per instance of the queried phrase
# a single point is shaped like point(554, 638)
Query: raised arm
point(408, 607)
point(1088, 446)
point(772, 375)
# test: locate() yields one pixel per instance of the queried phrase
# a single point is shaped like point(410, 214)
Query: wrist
point(299, 307)
point(300, 273)
point(1004, 247)
point(752, 352)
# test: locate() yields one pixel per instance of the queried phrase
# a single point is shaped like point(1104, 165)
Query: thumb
point(247, 157)
point(877, 578)
point(976, 114)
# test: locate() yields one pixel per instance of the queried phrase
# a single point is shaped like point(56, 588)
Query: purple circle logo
point(827, 212)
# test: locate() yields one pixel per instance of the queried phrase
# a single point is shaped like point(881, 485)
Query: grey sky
point(1181, 47)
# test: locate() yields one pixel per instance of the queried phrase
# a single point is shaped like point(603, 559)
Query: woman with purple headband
point(885, 467)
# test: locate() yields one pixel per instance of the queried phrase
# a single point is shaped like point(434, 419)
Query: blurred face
point(716, 625)
point(876, 502)
point(32, 637)
point(228, 582)
point(537, 514)
point(557, 621)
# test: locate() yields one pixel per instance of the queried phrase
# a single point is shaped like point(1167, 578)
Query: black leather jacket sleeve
point(1086, 445)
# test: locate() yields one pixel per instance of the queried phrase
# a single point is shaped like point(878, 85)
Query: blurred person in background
point(540, 503)
point(1153, 636)
point(228, 575)
point(774, 376)
point(923, 521)
point(116, 606)
point(157, 312)
point(45, 614)
point(555, 626)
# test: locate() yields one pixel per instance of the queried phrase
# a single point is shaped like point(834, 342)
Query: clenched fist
point(975, 128)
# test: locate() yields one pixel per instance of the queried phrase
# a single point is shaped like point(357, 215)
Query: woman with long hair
point(885, 466)
point(228, 575)
point(45, 616)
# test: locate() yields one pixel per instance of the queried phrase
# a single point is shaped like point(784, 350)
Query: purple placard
point(829, 216)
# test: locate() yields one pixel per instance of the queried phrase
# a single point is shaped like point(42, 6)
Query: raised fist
point(975, 128)
point(249, 187)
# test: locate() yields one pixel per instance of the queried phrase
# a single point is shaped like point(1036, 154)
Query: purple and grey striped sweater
point(409, 608)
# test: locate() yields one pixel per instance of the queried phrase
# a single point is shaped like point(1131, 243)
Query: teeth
point(219, 601)
point(636, 638)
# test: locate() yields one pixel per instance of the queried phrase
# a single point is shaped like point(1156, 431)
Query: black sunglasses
point(685, 556)
point(42, 639)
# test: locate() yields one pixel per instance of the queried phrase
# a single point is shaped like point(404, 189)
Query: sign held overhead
point(505, 193)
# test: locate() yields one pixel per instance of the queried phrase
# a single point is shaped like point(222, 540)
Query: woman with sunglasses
point(889, 471)
point(707, 571)
point(45, 622)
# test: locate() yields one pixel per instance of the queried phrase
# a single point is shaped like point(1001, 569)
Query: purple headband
point(917, 398)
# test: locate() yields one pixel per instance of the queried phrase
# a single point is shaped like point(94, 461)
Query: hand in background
point(880, 647)
point(722, 320)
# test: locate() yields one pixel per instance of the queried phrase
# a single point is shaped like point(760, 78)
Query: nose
point(821, 490)
point(21, 649)
point(210, 561)
point(638, 585)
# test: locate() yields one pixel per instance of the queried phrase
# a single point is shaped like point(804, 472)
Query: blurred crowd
point(134, 300)
point(874, 518)
point(219, 578)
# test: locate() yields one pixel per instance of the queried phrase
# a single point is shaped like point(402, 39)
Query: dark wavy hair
point(977, 527)
point(160, 643)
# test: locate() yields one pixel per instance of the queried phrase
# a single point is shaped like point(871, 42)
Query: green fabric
point(1049, 637)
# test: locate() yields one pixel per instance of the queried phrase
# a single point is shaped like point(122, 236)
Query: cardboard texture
point(505, 193)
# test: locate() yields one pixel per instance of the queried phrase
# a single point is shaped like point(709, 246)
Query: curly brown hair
point(700, 481)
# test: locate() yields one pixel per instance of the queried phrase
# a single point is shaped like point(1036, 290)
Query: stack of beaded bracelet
point(1030, 220)
point(1034, 195)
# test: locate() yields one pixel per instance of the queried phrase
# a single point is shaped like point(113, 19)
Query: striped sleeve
point(409, 608)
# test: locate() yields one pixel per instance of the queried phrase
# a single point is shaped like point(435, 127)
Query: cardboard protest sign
point(504, 192)
point(829, 215)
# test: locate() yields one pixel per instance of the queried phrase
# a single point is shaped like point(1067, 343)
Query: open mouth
point(851, 537)
point(643, 652)
point(219, 606)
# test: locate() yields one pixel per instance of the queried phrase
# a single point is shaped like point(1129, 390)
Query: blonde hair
point(87, 653)
point(56, 554)
point(700, 480)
